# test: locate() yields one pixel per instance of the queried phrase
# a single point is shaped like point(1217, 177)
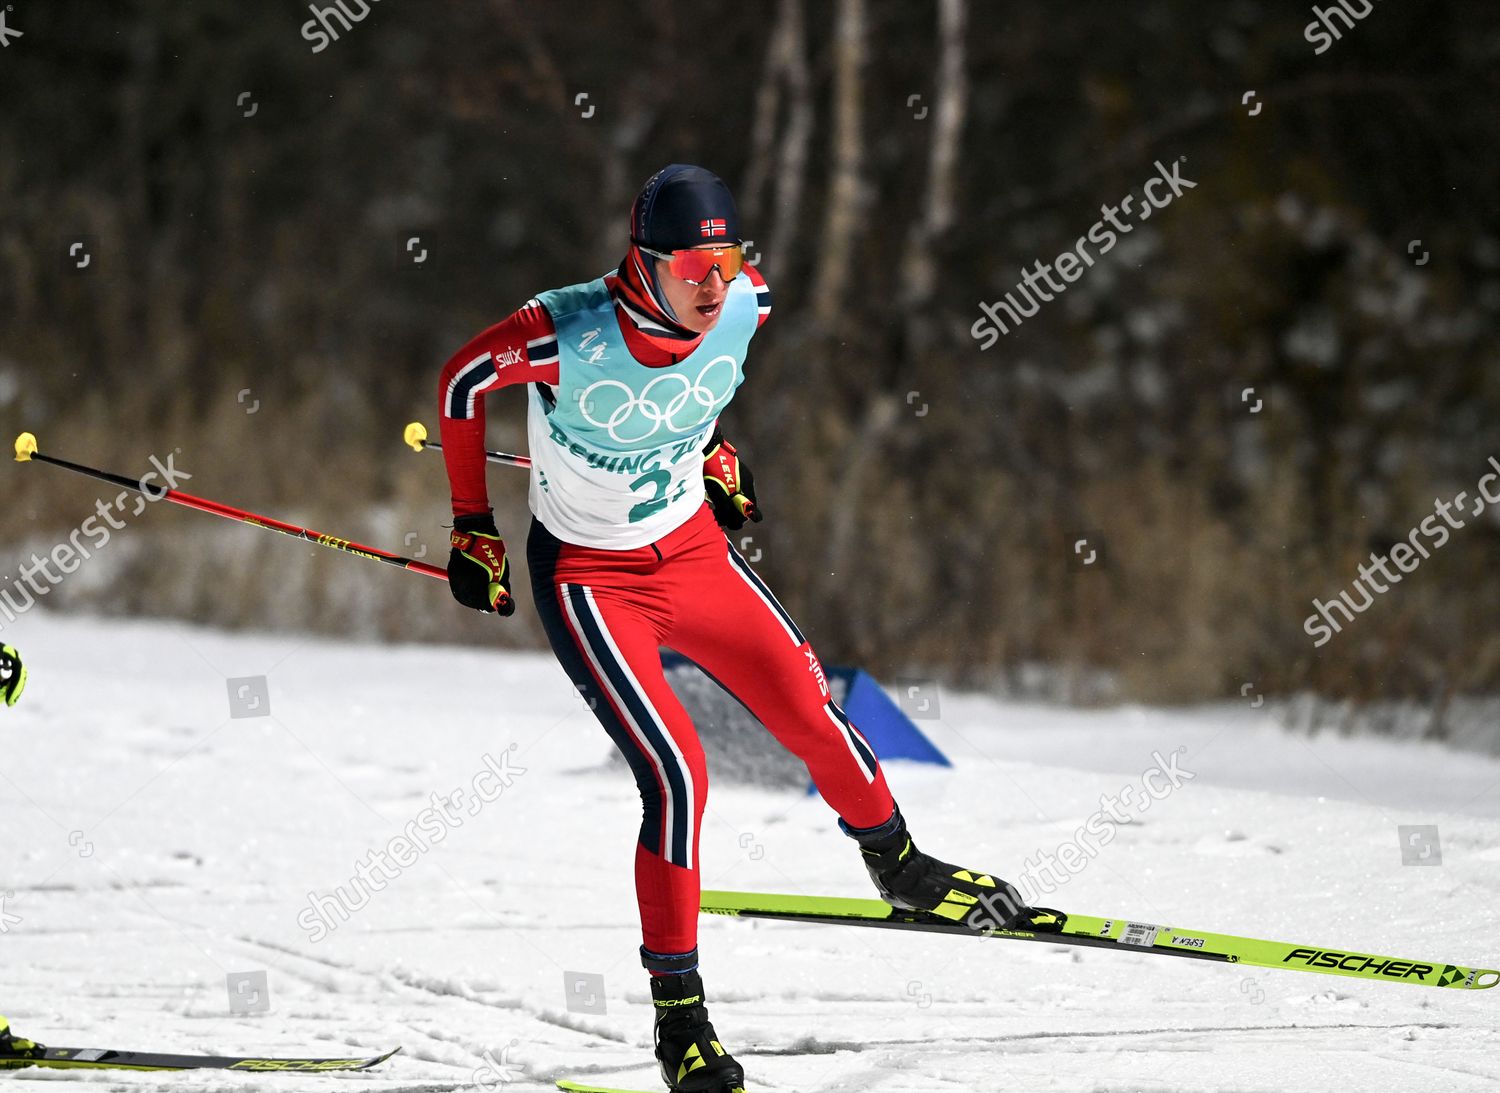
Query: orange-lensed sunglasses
point(694, 264)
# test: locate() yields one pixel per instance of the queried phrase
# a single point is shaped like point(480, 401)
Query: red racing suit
point(608, 612)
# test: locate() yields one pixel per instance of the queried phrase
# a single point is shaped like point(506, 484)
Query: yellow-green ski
point(18, 1054)
point(1057, 928)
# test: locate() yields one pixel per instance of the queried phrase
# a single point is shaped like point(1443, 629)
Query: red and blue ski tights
point(608, 612)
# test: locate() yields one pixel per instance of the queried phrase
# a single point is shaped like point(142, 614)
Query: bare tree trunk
point(791, 180)
point(780, 166)
point(844, 551)
point(845, 187)
point(636, 115)
point(774, 230)
point(919, 266)
point(763, 129)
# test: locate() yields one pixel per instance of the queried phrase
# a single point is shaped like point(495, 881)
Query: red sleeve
point(762, 295)
point(521, 349)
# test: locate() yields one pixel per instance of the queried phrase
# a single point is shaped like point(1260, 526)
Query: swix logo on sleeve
point(513, 355)
point(816, 669)
point(712, 227)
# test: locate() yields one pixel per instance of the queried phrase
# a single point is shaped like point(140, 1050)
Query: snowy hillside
point(151, 845)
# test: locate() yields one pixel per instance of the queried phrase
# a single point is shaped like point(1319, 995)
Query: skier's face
point(697, 307)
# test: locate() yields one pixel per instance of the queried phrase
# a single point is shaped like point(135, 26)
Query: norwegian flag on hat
point(682, 206)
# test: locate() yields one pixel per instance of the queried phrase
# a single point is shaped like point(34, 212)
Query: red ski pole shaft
point(26, 452)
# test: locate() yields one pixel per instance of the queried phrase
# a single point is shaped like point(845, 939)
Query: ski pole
point(26, 452)
point(416, 439)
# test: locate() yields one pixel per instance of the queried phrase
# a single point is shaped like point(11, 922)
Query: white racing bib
point(617, 451)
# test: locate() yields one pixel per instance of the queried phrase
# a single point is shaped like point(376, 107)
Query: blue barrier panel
point(884, 724)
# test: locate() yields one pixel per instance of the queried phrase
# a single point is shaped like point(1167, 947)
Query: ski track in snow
point(150, 845)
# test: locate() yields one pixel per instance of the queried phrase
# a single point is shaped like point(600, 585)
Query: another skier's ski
point(1110, 933)
point(16, 1054)
point(579, 1087)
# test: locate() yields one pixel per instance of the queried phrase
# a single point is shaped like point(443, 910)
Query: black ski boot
point(913, 881)
point(687, 1047)
point(15, 1050)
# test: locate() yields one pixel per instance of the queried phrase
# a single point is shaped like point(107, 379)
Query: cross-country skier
point(631, 478)
point(12, 675)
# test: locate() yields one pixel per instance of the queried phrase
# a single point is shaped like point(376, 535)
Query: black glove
point(729, 484)
point(478, 570)
point(12, 675)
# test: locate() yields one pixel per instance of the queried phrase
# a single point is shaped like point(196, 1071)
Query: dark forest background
point(250, 302)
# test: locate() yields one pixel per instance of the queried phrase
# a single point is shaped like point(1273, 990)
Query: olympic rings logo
point(689, 404)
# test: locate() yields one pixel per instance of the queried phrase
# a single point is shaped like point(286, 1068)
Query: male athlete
point(12, 675)
point(631, 478)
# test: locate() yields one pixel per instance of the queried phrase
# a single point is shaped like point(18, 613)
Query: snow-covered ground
point(151, 845)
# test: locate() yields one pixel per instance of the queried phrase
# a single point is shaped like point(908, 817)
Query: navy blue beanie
point(684, 206)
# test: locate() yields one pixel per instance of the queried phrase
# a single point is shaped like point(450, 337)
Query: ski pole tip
point(25, 447)
point(416, 436)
